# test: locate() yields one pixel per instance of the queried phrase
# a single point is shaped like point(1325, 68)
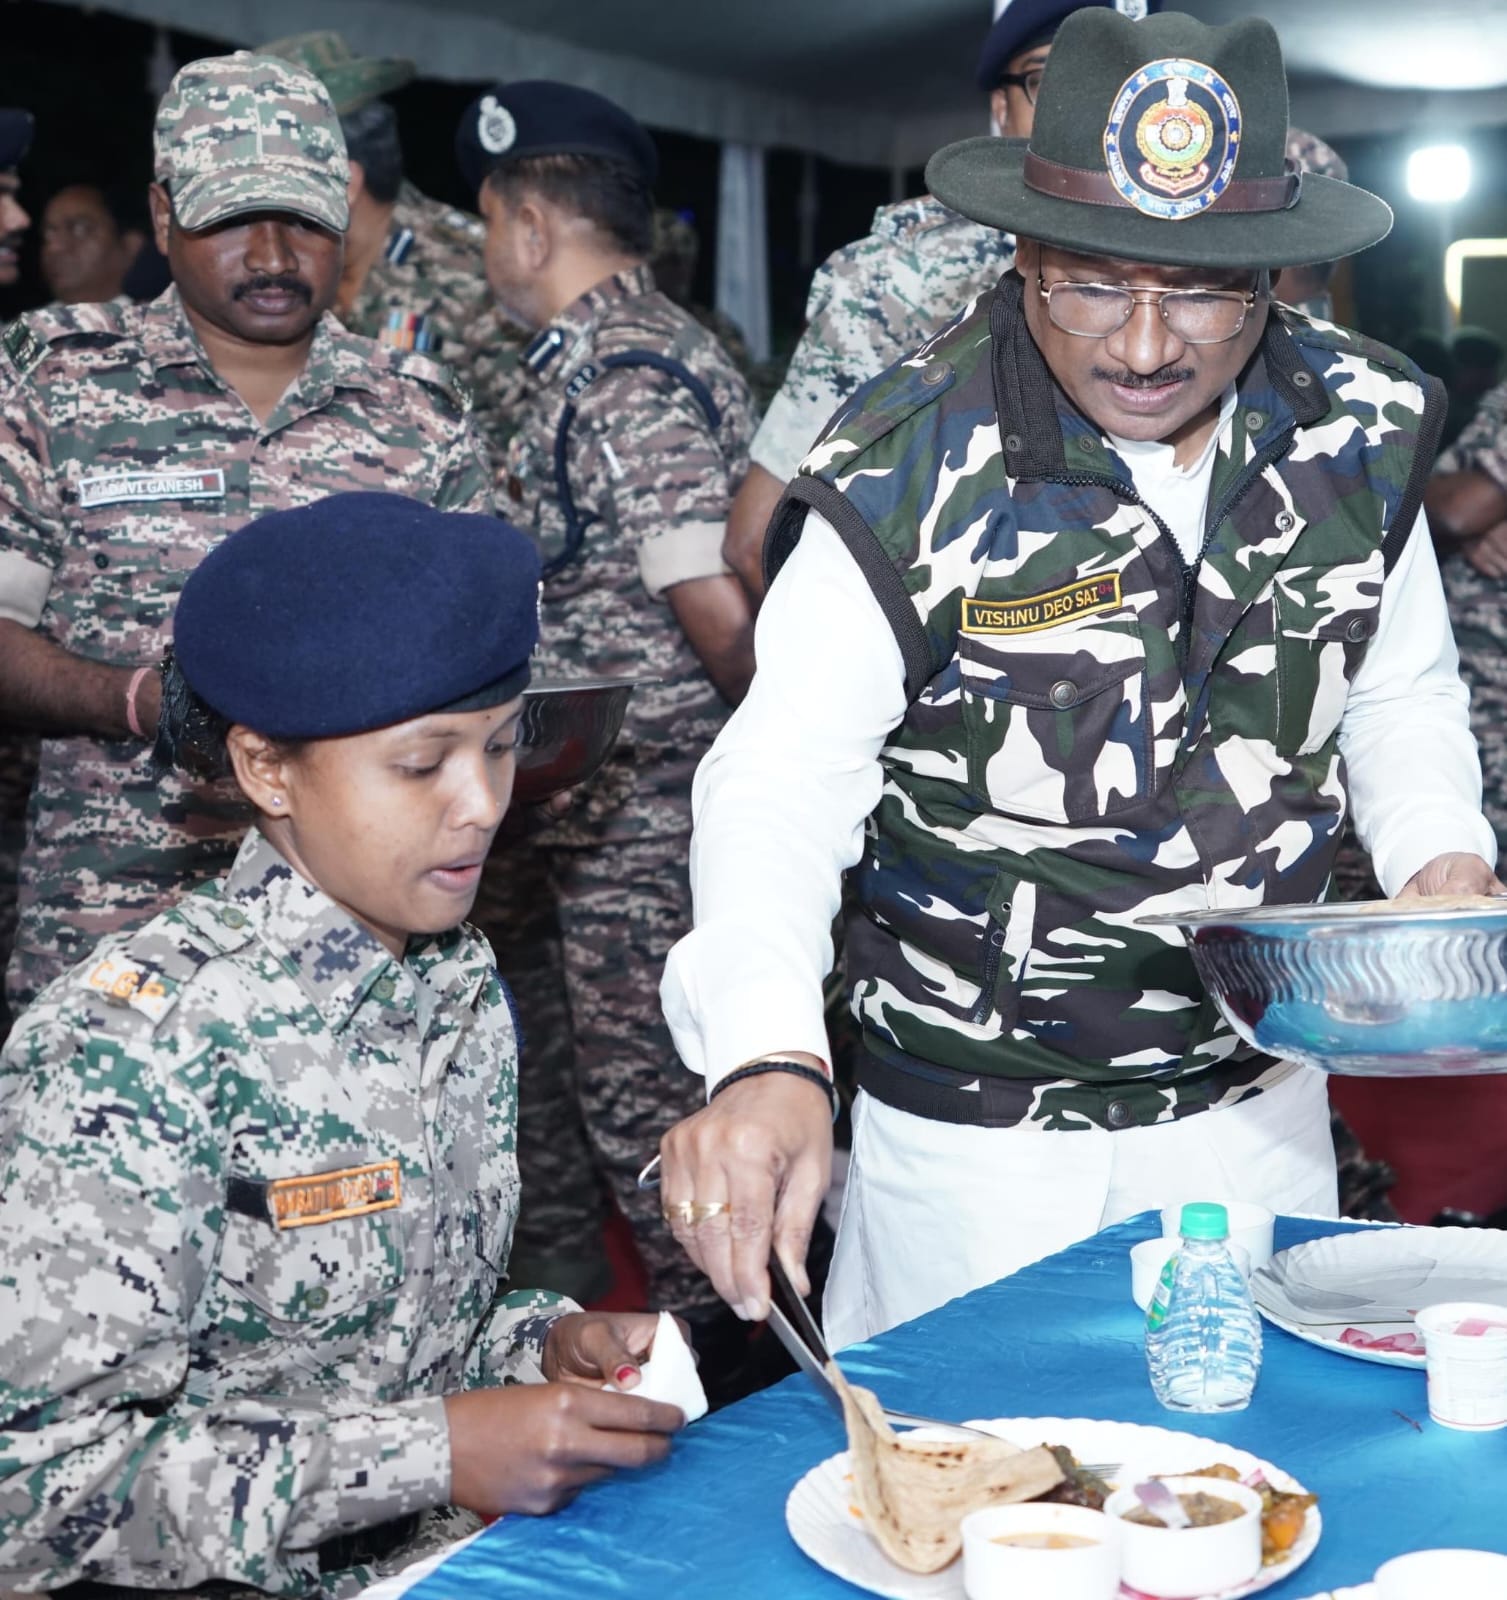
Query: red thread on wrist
point(132, 721)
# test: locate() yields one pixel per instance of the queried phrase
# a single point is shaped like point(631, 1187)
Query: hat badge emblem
point(495, 129)
point(1172, 139)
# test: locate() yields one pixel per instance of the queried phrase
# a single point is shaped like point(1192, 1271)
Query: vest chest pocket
point(1056, 722)
point(1325, 621)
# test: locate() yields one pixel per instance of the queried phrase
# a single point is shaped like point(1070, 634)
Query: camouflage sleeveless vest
point(1097, 731)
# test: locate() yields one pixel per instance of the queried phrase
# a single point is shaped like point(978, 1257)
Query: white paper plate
point(1374, 1281)
point(824, 1522)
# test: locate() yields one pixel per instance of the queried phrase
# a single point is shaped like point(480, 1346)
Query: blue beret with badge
point(1025, 24)
point(517, 121)
point(356, 612)
point(15, 137)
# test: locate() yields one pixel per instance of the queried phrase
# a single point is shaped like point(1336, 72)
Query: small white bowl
point(1171, 1562)
point(1251, 1226)
point(1435, 1574)
point(1009, 1571)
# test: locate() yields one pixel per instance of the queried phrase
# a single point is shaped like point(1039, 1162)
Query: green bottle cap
point(1205, 1220)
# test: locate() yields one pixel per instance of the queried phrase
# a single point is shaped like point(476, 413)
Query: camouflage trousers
point(18, 767)
point(557, 1242)
point(348, 1564)
point(1486, 674)
point(620, 907)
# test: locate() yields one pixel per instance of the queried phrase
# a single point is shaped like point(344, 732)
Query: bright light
point(1439, 173)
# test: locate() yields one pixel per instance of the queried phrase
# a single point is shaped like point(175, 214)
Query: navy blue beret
point(1030, 22)
point(359, 611)
point(15, 137)
point(512, 121)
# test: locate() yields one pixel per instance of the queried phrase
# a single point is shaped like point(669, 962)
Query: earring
point(277, 799)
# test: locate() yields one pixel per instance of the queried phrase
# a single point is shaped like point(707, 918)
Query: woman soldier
point(257, 1179)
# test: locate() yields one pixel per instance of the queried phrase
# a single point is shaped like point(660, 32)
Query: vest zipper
point(1189, 575)
point(992, 957)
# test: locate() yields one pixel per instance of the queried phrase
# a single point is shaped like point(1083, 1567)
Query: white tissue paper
point(670, 1372)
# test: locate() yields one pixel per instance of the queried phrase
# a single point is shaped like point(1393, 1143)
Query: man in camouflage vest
point(633, 437)
point(1109, 600)
point(413, 276)
point(876, 299)
point(134, 438)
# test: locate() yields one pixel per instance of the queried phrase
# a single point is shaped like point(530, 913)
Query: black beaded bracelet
point(795, 1068)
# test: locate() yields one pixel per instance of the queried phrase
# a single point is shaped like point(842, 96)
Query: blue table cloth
point(1061, 1338)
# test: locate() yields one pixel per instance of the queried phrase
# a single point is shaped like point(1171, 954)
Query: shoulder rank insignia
point(124, 985)
point(23, 347)
point(1173, 139)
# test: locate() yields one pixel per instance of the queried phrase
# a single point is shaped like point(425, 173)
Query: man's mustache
point(286, 284)
point(1144, 380)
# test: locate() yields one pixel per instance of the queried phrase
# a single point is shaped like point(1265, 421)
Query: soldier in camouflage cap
point(133, 438)
point(1306, 288)
point(266, 1140)
point(413, 275)
point(1110, 600)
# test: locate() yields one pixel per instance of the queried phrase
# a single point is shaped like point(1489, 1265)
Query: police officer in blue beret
point(267, 1138)
point(631, 440)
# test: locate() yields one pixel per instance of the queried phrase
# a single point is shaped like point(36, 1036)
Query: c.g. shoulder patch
point(23, 348)
point(1037, 611)
point(1173, 138)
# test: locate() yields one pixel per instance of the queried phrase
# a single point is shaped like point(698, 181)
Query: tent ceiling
point(874, 81)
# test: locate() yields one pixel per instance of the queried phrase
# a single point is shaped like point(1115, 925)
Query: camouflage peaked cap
point(250, 133)
point(1308, 151)
point(351, 79)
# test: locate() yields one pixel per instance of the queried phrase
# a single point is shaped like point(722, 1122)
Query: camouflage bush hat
point(250, 133)
point(1161, 140)
point(351, 79)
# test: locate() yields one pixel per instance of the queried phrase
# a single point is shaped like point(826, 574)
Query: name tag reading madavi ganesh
point(115, 488)
point(1080, 599)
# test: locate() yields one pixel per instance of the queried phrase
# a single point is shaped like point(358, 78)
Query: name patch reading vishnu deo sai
point(321, 1197)
point(1079, 599)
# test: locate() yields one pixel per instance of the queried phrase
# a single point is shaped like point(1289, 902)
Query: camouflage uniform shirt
point(257, 1187)
point(123, 460)
point(428, 291)
point(871, 303)
point(1478, 607)
point(652, 479)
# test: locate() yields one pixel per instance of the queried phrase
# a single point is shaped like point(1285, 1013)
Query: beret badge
point(496, 131)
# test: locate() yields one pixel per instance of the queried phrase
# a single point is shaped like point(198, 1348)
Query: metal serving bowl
point(568, 729)
point(1373, 989)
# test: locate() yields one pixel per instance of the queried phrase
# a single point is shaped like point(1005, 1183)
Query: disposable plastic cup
point(1250, 1226)
point(1465, 1345)
point(1443, 1575)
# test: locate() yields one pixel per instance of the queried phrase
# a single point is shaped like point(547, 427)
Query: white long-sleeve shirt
point(782, 797)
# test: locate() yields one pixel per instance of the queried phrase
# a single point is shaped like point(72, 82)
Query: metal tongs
point(796, 1329)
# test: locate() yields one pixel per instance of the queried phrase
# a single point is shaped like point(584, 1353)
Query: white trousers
point(934, 1209)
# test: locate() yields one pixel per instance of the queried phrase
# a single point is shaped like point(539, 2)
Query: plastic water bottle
point(1203, 1337)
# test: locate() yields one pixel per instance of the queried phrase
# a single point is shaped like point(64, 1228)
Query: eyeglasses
point(1029, 83)
point(1196, 316)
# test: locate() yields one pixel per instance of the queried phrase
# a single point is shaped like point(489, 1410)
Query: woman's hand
point(532, 1447)
point(598, 1347)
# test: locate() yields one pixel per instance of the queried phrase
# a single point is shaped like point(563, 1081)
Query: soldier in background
point(413, 275)
point(90, 238)
point(1307, 288)
point(874, 300)
point(18, 751)
point(134, 438)
point(634, 434)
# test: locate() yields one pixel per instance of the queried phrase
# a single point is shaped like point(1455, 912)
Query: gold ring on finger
point(702, 1209)
point(683, 1211)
